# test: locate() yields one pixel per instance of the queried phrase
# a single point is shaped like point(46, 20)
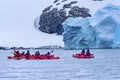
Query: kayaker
point(17, 54)
point(27, 54)
point(83, 52)
point(87, 53)
point(48, 53)
point(23, 53)
point(37, 53)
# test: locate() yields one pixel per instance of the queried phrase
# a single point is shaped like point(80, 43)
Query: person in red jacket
point(17, 55)
point(15, 52)
point(27, 54)
point(87, 53)
point(37, 55)
point(83, 52)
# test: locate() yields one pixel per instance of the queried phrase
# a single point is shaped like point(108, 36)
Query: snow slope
point(17, 21)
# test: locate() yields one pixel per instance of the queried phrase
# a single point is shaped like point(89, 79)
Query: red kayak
point(33, 57)
point(82, 56)
point(12, 57)
point(42, 57)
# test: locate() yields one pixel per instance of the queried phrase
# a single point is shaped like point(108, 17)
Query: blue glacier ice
point(102, 30)
point(78, 33)
point(117, 34)
point(105, 32)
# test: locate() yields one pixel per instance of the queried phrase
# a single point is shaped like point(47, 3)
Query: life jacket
point(87, 54)
point(17, 55)
point(82, 53)
point(27, 55)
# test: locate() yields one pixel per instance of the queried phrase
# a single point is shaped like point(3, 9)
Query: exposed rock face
point(47, 9)
point(51, 22)
point(64, 0)
point(52, 18)
point(79, 12)
point(58, 4)
point(69, 4)
point(55, 1)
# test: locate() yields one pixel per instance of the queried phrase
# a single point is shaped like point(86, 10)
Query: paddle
point(51, 51)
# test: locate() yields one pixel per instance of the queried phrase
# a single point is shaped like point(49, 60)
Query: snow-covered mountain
point(17, 21)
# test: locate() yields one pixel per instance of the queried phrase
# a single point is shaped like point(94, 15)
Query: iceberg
point(102, 30)
point(105, 31)
point(78, 33)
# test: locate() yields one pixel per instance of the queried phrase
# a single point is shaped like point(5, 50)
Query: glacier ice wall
point(100, 31)
point(78, 33)
point(105, 32)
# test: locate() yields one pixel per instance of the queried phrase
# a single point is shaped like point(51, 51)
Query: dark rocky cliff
point(51, 18)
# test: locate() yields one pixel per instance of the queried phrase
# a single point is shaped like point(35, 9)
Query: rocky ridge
point(51, 19)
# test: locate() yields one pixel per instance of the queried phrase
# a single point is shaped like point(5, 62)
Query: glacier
point(102, 30)
point(75, 36)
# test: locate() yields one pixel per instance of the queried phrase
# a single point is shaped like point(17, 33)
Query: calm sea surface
point(105, 66)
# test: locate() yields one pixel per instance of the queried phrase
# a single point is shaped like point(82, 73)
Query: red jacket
point(82, 53)
point(87, 54)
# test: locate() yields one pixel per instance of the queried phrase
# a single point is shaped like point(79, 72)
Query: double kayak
point(34, 57)
point(82, 56)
